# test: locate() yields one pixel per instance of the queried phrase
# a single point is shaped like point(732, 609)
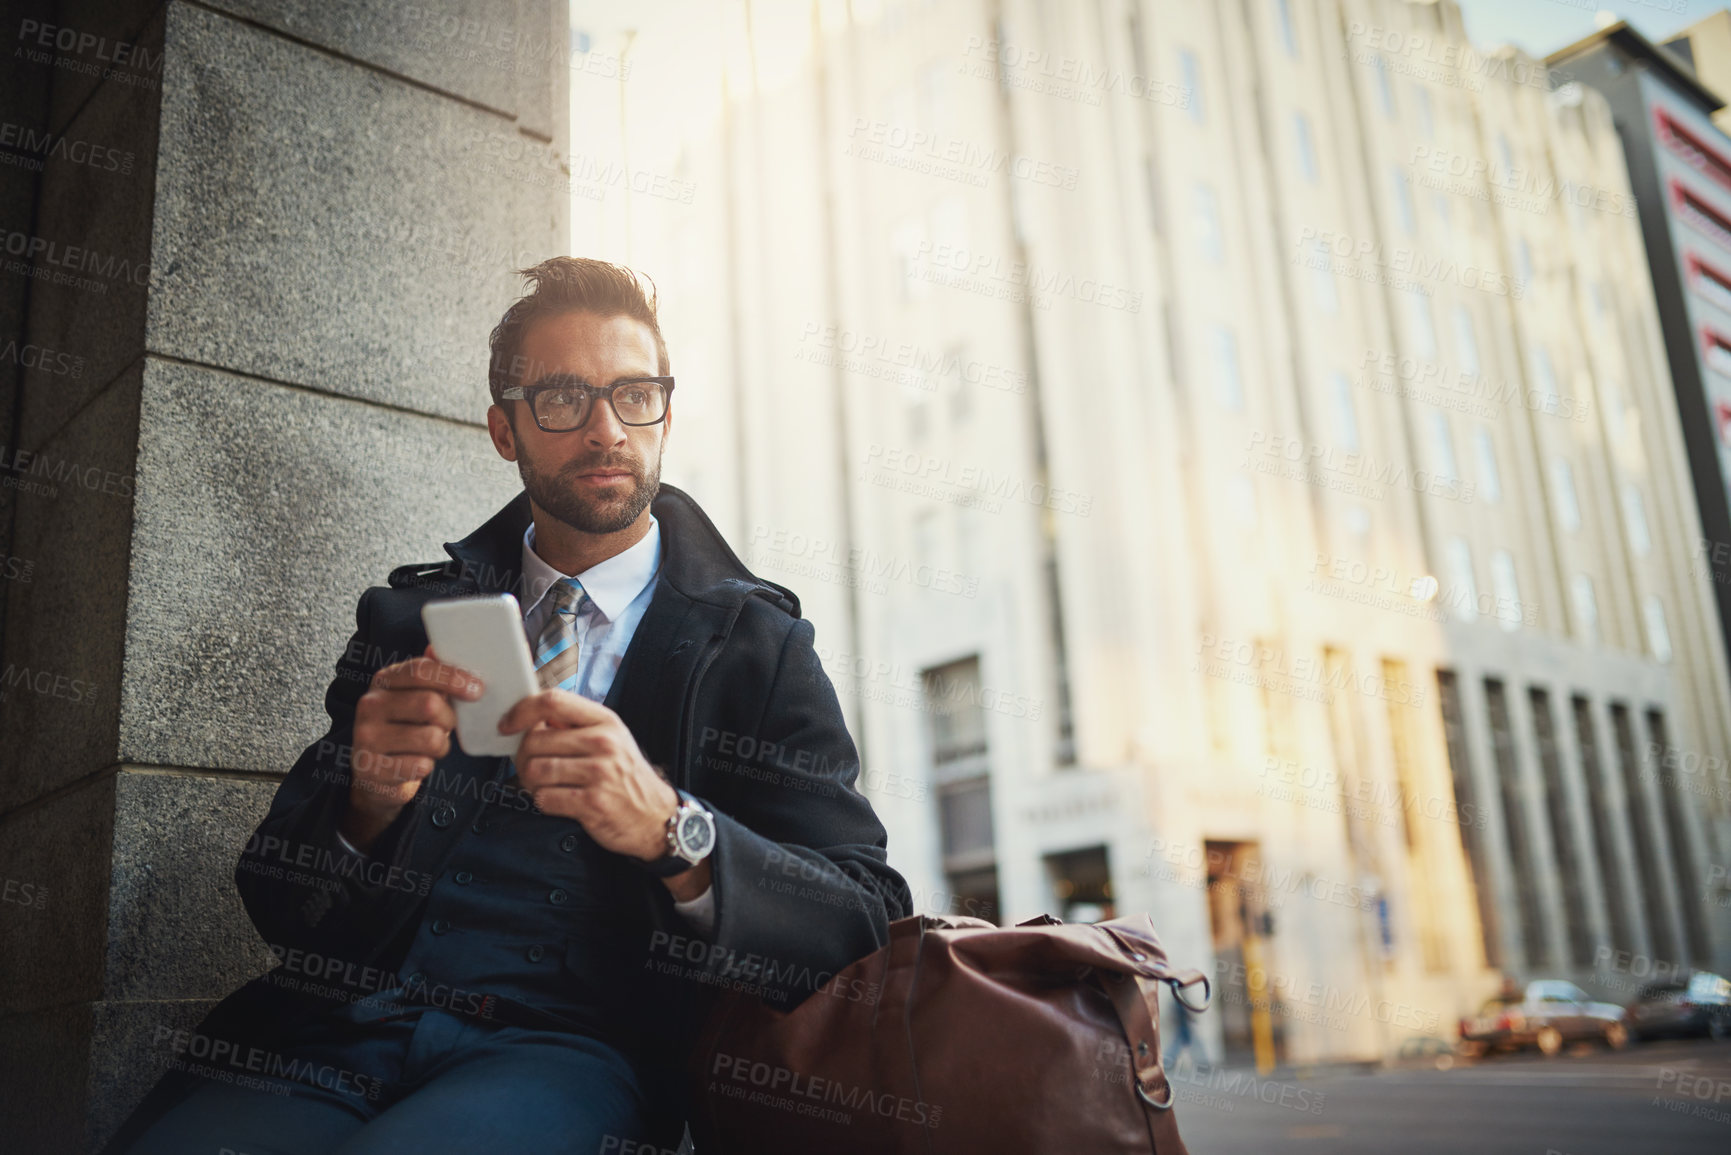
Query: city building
point(1680, 172)
point(1234, 473)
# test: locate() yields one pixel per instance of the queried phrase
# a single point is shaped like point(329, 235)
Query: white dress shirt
point(620, 589)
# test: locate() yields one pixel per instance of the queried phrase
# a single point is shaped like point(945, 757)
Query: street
point(1670, 1097)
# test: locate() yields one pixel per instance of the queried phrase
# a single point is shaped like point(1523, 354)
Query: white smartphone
point(485, 637)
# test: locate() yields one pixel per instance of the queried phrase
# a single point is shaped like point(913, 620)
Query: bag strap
point(1132, 1000)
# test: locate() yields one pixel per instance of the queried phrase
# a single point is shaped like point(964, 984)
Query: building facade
point(1233, 473)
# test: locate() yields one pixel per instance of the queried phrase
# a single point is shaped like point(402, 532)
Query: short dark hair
point(570, 285)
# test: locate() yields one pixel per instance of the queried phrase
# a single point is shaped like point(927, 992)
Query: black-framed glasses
point(563, 404)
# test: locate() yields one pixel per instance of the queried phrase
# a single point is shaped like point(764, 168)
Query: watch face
point(695, 832)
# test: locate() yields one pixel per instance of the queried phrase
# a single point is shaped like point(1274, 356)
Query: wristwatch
point(690, 838)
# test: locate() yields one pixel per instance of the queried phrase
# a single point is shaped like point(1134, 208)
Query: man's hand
point(403, 726)
point(580, 760)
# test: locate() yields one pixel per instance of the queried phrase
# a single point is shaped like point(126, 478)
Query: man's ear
point(500, 430)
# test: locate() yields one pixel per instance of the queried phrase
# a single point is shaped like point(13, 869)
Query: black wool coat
point(723, 691)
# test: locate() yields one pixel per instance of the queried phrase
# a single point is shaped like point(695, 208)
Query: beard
point(561, 494)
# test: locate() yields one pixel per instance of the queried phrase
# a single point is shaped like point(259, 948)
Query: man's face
point(600, 478)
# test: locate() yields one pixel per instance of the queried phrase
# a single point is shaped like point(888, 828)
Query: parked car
point(1426, 1050)
point(1690, 1004)
point(1548, 1014)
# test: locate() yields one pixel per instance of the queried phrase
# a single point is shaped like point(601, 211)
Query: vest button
point(558, 897)
point(476, 826)
point(568, 843)
point(441, 925)
point(442, 816)
point(537, 953)
point(464, 878)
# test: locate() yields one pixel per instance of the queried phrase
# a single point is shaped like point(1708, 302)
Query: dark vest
point(525, 924)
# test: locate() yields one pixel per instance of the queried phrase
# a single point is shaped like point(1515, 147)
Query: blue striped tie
point(556, 653)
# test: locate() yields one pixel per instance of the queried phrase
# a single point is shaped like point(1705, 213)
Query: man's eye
point(563, 396)
point(632, 396)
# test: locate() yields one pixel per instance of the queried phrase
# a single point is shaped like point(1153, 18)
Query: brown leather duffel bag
point(959, 1036)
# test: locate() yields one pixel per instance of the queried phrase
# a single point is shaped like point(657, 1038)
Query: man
point(511, 954)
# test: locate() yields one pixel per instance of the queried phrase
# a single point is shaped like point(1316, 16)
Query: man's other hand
point(403, 726)
point(580, 760)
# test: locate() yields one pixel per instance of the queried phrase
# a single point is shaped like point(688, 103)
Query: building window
point(1322, 288)
point(1523, 262)
point(1241, 499)
point(1401, 185)
point(1442, 448)
point(1205, 222)
point(1190, 75)
point(1345, 412)
point(1426, 116)
point(1279, 729)
point(1635, 516)
point(1466, 341)
point(958, 723)
point(1712, 287)
point(1571, 865)
point(1306, 147)
point(1636, 805)
point(1463, 591)
point(1606, 850)
point(919, 416)
point(905, 244)
point(1719, 354)
point(1468, 806)
point(964, 787)
point(1677, 827)
point(1658, 632)
point(1409, 776)
point(1288, 33)
point(1568, 502)
point(1384, 88)
point(1515, 827)
point(1485, 460)
point(1506, 590)
point(1544, 375)
point(1081, 881)
point(1586, 608)
point(961, 393)
point(1228, 382)
point(1419, 324)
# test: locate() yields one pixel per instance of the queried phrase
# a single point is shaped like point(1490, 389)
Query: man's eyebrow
point(560, 378)
point(563, 378)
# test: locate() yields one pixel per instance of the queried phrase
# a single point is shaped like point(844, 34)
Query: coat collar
point(696, 561)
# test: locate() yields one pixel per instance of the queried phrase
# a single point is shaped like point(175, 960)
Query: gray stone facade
point(258, 323)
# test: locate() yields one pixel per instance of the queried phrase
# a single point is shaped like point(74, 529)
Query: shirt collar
point(612, 584)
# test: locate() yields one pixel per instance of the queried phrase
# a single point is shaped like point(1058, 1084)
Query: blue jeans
point(417, 1082)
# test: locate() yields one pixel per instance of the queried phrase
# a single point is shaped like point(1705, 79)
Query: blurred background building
point(1230, 454)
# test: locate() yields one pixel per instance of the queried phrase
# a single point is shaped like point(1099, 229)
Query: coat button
point(463, 878)
point(441, 925)
point(537, 953)
point(442, 816)
point(558, 897)
point(415, 980)
point(568, 843)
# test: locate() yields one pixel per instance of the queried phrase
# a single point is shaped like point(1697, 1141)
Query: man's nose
point(603, 427)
